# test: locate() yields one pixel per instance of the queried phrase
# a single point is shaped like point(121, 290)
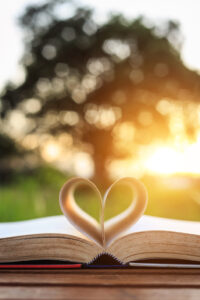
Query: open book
point(77, 237)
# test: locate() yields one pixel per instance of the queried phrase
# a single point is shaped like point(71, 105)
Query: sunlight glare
point(51, 151)
point(168, 160)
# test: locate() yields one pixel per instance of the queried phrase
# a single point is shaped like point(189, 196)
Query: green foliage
point(179, 203)
point(31, 196)
point(37, 196)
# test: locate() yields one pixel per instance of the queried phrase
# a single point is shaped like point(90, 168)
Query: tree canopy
point(97, 81)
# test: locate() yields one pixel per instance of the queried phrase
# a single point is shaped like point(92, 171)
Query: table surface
point(100, 284)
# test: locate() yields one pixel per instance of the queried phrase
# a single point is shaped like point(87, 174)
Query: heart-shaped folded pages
point(104, 232)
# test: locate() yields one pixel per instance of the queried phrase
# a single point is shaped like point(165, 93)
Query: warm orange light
point(169, 160)
point(51, 151)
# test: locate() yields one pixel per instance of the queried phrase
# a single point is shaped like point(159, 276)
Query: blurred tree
point(99, 82)
point(7, 147)
point(8, 150)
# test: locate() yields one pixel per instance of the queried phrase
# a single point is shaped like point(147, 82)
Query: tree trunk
point(101, 177)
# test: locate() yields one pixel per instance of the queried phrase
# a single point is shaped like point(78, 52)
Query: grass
point(36, 196)
point(180, 203)
point(31, 196)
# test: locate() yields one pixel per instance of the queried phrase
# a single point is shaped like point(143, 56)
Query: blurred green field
point(36, 195)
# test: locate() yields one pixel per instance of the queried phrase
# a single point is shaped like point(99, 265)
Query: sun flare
point(168, 160)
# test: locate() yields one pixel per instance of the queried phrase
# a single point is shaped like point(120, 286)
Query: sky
point(186, 12)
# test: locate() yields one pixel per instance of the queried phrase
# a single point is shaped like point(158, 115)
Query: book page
point(149, 223)
point(55, 224)
point(60, 225)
